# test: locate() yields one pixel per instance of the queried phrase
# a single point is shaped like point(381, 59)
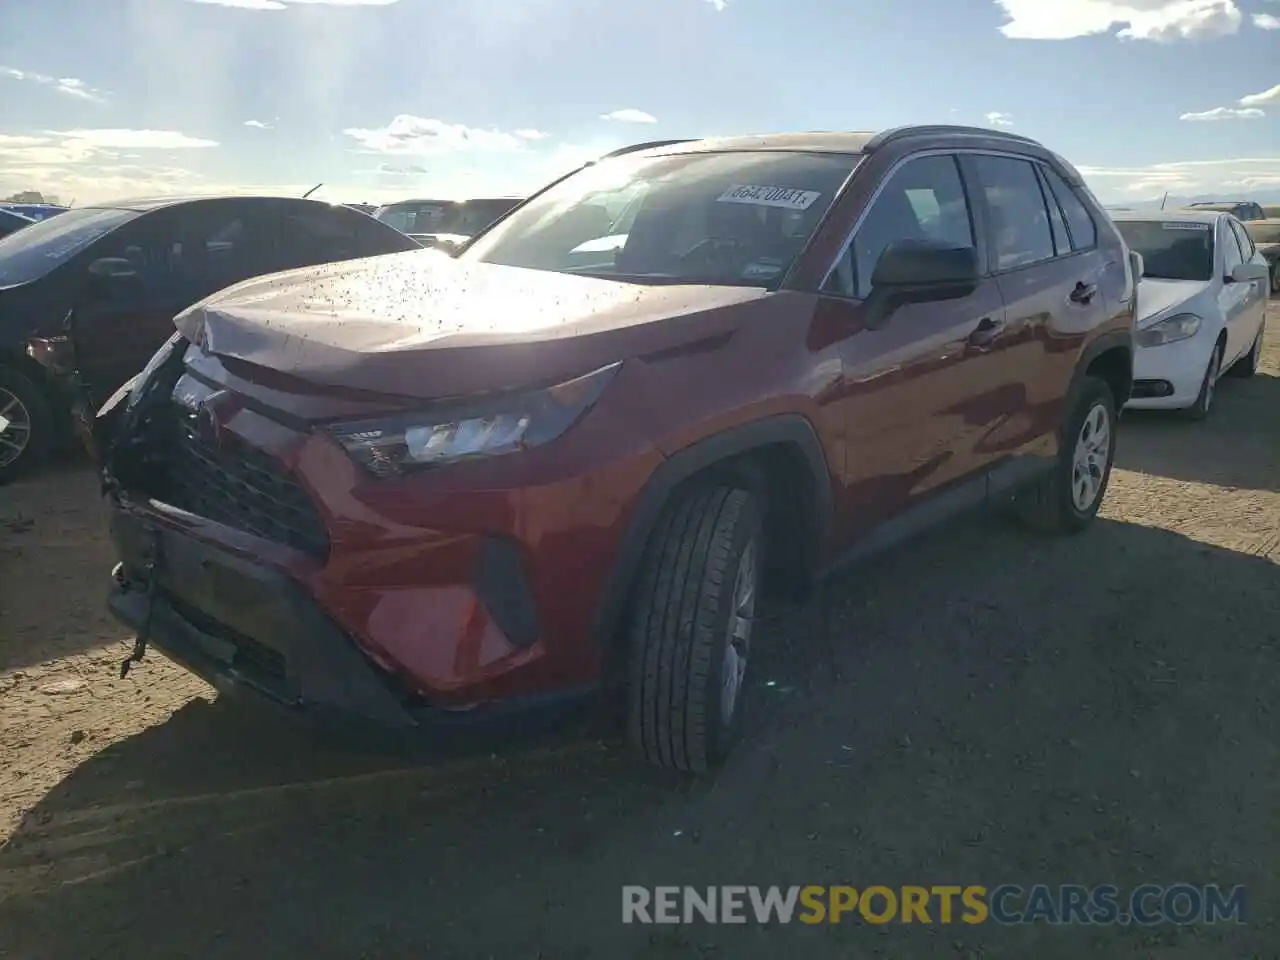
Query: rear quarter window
point(1084, 232)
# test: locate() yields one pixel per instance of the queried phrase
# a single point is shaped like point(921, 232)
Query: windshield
point(33, 251)
point(1171, 250)
point(719, 218)
point(1264, 232)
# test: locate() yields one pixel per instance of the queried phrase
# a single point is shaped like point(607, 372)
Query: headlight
point(402, 443)
point(1169, 330)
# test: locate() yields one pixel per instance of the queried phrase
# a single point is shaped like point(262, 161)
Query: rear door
point(310, 234)
point(1242, 324)
point(1043, 247)
point(913, 397)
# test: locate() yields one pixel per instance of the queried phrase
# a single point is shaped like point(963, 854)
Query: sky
point(385, 99)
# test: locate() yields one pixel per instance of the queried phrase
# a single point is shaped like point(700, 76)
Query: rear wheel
point(26, 424)
point(1067, 499)
point(1208, 387)
point(691, 625)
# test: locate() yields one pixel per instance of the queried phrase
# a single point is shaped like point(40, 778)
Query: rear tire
point(1208, 387)
point(1067, 499)
point(28, 439)
point(690, 628)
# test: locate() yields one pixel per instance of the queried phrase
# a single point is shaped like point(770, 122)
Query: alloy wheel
point(738, 643)
point(1090, 458)
point(15, 427)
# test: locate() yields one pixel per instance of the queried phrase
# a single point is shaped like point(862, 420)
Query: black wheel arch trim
point(1108, 341)
point(793, 429)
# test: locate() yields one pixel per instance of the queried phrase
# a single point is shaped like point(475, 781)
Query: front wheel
point(26, 424)
point(691, 624)
point(1067, 498)
point(1208, 387)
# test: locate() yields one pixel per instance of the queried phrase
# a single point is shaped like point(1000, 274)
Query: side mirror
point(113, 268)
point(1248, 272)
point(924, 270)
point(1137, 264)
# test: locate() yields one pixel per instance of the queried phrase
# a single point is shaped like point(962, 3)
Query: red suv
point(413, 489)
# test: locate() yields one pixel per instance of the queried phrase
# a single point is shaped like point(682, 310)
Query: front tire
point(1208, 387)
point(1247, 366)
point(691, 623)
point(26, 424)
point(1067, 499)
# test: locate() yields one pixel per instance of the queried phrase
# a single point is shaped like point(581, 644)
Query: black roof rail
point(937, 129)
point(647, 145)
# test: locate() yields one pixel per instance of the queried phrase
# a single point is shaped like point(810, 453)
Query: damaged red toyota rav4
point(417, 490)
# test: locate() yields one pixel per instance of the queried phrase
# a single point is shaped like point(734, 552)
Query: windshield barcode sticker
point(785, 198)
point(1185, 225)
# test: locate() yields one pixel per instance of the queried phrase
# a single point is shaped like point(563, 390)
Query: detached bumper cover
point(245, 627)
point(238, 624)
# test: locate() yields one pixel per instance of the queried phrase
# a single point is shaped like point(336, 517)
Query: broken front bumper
point(243, 626)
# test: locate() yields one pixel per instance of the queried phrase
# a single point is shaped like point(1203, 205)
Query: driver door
point(915, 395)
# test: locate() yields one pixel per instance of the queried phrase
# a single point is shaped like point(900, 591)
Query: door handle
point(985, 333)
point(1083, 293)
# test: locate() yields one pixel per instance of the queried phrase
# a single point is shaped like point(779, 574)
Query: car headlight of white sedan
point(1180, 326)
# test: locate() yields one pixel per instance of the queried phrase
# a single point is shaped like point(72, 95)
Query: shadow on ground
point(980, 708)
point(1238, 445)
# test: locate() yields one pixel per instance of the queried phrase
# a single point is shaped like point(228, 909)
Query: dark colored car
point(34, 211)
point(88, 296)
point(445, 224)
point(1245, 210)
point(423, 491)
point(1266, 237)
point(11, 222)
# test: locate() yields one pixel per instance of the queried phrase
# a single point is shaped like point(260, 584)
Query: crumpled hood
point(1157, 296)
point(423, 325)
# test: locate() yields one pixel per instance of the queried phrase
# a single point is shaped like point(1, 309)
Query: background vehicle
point(1202, 303)
point(88, 296)
point(366, 208)
point(1266, 237)
point(445, 224)
point(557, 466)
point(34, 211)
point(1243, 210)
point(11, 222)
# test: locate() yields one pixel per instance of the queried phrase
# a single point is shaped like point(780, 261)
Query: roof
point(147, 204)
point(823, 141)
point(1184, 215)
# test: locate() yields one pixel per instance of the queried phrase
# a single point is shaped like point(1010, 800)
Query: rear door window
point(1084, 232)
point(1019, 218)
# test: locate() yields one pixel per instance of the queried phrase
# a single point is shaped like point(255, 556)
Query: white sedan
point(1202, 305)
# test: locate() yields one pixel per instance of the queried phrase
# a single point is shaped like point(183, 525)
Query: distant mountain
point(1259, 196)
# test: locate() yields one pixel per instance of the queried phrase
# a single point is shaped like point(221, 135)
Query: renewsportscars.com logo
point(1007, 904)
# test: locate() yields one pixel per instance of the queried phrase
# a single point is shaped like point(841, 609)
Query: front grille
point(235, 484)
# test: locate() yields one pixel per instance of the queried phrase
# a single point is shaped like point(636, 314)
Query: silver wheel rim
point(15, 427)
point(1089, 462)
point(738, 642)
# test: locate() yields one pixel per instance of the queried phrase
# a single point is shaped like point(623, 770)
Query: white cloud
point(258, 124)
point(998, 119)
point(282, 4)
point(1266, 21)
point(629, 115)
point(69, 86)
point(1157, 20)
point(529, 134)
point(1265, 98)
point(1225, 113)
point(411, 135)
point(1185, 177)
point(718, 4)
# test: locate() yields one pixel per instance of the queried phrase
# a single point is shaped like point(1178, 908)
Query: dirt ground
point(979, 707)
